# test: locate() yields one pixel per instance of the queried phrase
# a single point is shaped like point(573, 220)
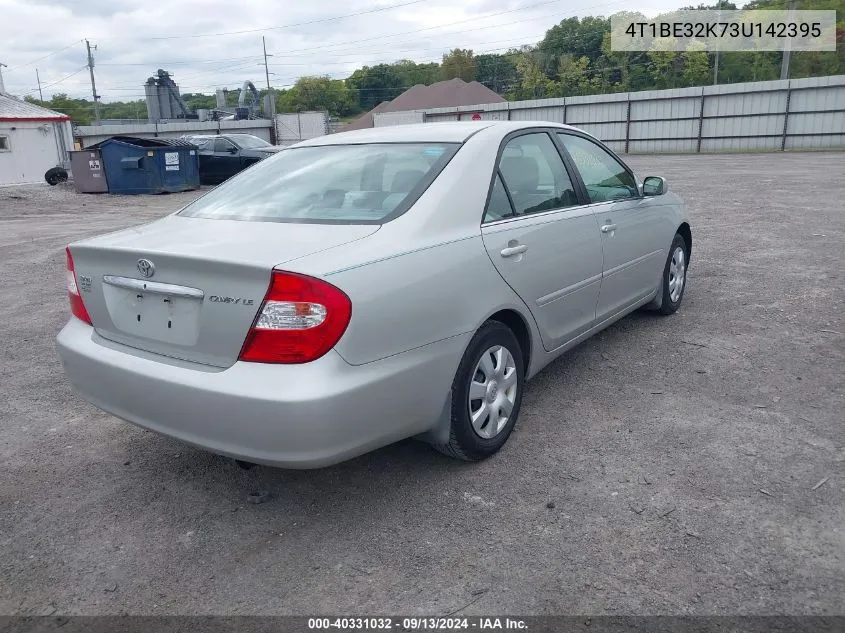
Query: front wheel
point(486, 394)
point(675, 276)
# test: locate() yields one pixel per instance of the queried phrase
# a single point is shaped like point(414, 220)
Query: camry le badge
point(146, 268)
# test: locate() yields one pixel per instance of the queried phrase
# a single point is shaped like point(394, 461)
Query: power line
point(35, 61)
point(180, 62)
point(440, 26)
point(56, 83)
point(282, 26)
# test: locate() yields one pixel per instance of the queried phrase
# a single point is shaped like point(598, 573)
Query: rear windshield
point(360, 184)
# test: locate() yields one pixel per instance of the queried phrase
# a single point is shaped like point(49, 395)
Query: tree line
point(573, 58)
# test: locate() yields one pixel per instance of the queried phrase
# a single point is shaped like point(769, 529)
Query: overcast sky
point(208, 44)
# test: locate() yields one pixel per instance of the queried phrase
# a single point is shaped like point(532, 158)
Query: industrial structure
point(165, 103)
point(163, 99)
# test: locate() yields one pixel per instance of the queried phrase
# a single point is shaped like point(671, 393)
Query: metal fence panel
point(755, 116)
point(381, 119)
point(553, 113)
point(300, 126)
point(662, 146)
point(434, 118)
point(740, 144)
point(645, 130)
point(581, 113)
point(679, 108)
point(607, 132)
point(815, 142)
point(818, 99)
point(817, 124)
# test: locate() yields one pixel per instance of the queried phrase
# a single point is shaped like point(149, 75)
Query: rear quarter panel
point(420, 297)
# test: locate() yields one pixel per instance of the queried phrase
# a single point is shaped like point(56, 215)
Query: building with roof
point(443, 94)
point(32, 140)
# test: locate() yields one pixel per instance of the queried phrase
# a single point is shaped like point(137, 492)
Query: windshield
point(361, 184)
point(247, 141)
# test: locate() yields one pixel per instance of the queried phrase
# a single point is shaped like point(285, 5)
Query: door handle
point(510, 251)
point(607, 228)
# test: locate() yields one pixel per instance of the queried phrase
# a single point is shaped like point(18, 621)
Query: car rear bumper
point(293, 416)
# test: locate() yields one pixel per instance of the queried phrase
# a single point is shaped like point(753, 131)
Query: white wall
point(91, 134)
point(294, 127)
point(34, 148)
point(381, 119)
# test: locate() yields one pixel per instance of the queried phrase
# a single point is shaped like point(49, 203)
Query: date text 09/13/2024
point(416, 624)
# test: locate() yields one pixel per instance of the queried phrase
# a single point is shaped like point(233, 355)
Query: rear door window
point(499, 207)
point(535, 176)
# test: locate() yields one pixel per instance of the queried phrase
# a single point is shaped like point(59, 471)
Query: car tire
point(674, 276)
point(492, 367)
point(55, 175)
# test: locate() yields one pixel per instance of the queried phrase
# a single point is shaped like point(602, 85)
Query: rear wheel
point(486, 394)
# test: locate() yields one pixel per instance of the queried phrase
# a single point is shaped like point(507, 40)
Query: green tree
point(664, 63)
point(198, 101)
point(459, 62)
point(696, 65)
point(574, 76)
point(578, 37)
point(497, 72)
point(412, 73)
point(374, 84)
point(80, 111)
point(533, 83)
point(318, 93)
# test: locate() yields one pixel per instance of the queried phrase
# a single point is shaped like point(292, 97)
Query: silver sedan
point(365, 287)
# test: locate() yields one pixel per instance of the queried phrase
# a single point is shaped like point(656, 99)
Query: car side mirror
point(654, 186)
point(233, 150)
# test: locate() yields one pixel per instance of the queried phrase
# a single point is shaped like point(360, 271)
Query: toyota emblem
point(146, 267)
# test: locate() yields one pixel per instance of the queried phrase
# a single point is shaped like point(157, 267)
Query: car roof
point(441, 132)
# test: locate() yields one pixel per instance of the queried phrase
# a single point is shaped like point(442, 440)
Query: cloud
point(206, 44)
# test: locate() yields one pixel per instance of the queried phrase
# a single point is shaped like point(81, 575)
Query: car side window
point(535, 176)
point(222, 145)
point(604, 177)
point(499, 206)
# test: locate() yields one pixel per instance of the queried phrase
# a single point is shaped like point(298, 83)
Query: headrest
point(521, 173)
point(406, 180)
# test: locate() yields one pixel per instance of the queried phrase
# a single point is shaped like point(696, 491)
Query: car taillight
point(77, 307)
point(300, 320)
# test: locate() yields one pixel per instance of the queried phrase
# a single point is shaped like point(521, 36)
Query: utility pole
point(266, 69)
point(40, 94)
point(716, 59)
point(787, 49)
point(2, 88)
point(269, 100)
point(93, 85)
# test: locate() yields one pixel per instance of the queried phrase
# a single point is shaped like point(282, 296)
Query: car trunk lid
point(190, 288)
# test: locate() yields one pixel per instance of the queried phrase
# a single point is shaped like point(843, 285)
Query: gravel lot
point(666, 466)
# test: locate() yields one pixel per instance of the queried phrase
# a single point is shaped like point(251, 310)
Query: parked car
point(224, 155)
point(364, 287)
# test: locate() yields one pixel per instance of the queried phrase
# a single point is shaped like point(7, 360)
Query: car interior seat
point(403, 181)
